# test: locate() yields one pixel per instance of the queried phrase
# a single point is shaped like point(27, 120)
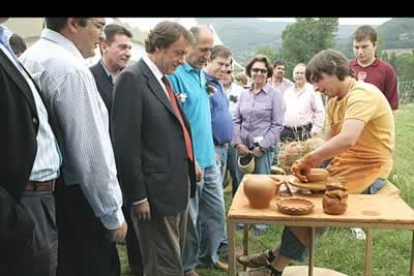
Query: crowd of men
point(96, 156)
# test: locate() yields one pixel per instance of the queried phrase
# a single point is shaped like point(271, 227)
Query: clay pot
point(317, 175)
point(260, 189)
point(334, 201)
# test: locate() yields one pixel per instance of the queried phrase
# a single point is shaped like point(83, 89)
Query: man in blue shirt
point(221, 120)
point(189, 83)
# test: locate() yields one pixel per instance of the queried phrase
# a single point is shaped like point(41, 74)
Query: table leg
point(232, 245)
point(412, 258)
point(246, 241)
point(311, 251)
point(368, 252)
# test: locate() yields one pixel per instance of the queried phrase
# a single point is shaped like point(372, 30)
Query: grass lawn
point(339, 250)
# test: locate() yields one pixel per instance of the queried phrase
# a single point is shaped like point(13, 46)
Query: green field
point(338, 249)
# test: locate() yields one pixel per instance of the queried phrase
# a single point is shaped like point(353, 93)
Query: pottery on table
point(317, 175)
point(334, 201)
point(260, 189)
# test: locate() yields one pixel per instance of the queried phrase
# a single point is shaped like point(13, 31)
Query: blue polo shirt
point(221, 120)
point(192, 81)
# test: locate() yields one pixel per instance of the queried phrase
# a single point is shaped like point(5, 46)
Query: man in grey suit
point(153, 149)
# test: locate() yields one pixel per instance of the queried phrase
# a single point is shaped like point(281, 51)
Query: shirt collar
point(154, 68)
point(5, 34)
point(265, 88)
point(62, 41)
point(188, 67)
point(106, 69)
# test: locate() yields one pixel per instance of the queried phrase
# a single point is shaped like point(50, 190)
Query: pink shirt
point(282, 86)
point(380, 74)
point(304, 107)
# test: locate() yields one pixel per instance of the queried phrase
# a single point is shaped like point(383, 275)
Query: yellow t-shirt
point(371, 156)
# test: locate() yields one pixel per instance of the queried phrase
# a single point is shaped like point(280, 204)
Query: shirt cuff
point(139, 202)
point(114, 221)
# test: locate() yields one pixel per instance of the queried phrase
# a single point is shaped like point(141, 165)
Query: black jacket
point(149, 143)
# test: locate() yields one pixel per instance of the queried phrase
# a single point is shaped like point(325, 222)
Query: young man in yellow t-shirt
point(359, 139)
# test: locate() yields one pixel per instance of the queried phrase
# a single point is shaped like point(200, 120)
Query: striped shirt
point(82, 118)
point(48, 159)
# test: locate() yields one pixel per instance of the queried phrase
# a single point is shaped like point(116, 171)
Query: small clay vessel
point(317, 175)
point(260, 189)
point(334, 201)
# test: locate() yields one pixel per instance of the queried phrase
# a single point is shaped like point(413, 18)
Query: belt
point(40, 186)
point(225, 145)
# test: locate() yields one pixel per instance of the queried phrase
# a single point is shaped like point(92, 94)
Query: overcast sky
point(342, 20)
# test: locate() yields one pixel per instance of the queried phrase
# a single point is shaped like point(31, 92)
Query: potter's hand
point(243, 150)
point(302, 167)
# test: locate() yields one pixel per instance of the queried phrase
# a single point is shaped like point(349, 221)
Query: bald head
point(201, 51)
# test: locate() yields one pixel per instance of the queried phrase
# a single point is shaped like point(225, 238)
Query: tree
point(306, 37)
point(267, 51)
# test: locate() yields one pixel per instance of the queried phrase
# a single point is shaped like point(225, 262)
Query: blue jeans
point(207, 209)
point(222, 152)
point(292, 248)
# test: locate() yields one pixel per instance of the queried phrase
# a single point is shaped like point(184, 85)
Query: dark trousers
point(84, 245)
point(300, 133)
point(132, 245)
point(36, 257)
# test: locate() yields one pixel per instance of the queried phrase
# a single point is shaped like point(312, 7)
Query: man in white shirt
point(88, 205)
point(305, 113)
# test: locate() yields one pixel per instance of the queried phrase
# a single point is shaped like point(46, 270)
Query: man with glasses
point(89, 199)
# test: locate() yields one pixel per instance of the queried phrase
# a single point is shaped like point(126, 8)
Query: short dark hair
point(17, 44)
point(58, 23)
point(278, 62)
point(112, 29)
point(164, 34)
point(260, 58)
point(365, 31)
point(330, 62)
point(220, 51)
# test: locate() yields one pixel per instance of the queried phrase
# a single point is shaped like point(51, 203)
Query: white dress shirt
point(67, 83)
point(303, 107)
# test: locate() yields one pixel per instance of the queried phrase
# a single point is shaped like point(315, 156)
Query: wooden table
point(365, 211)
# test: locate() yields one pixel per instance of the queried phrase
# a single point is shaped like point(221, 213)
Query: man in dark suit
point(153, 149)
point(116, 52)
point(29, 163)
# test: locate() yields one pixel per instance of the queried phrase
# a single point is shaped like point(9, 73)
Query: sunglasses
point(257, 70)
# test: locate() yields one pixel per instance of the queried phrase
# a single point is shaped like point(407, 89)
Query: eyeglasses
point(257, 70)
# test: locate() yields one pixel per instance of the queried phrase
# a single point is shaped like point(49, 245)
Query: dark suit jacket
point(19, 121)
point(105, 86)
point(149, 143)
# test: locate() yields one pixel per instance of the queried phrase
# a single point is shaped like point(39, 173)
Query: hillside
point(398, 33)
point(245, 35)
